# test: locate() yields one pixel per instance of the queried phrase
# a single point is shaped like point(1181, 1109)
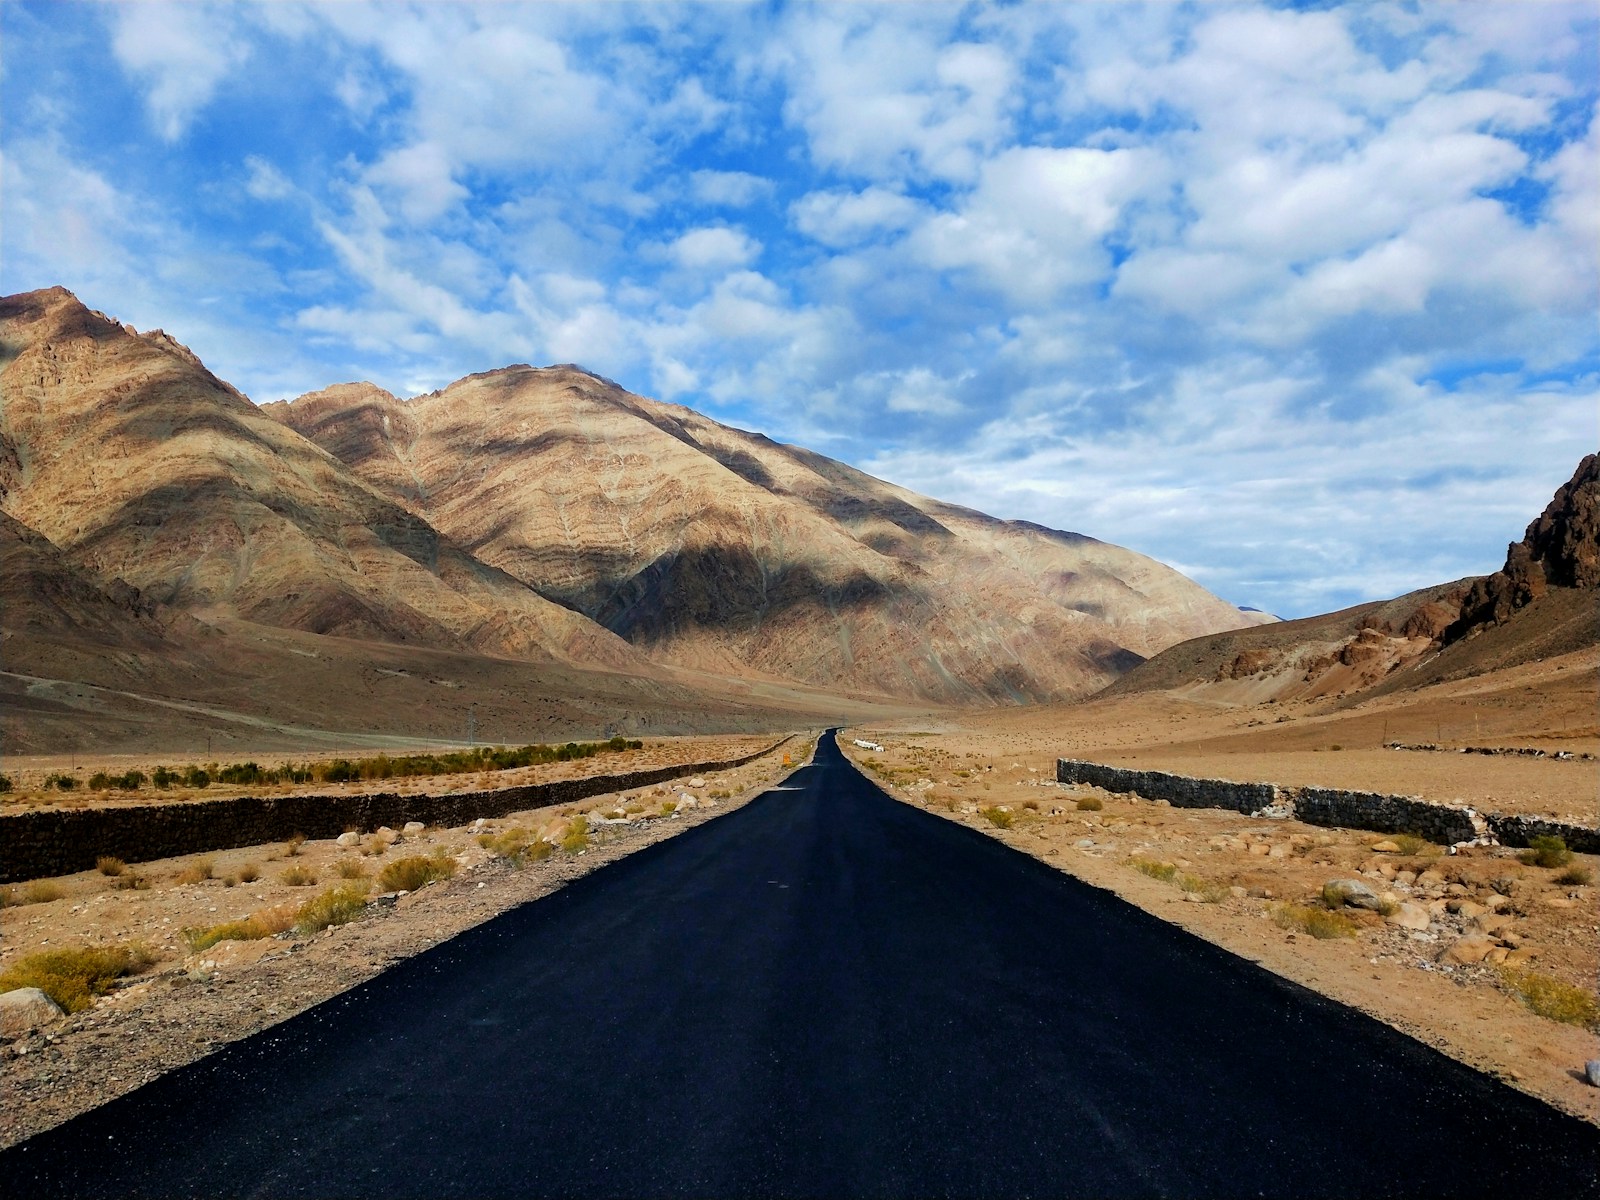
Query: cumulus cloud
point(181, 53)
point(714, 248)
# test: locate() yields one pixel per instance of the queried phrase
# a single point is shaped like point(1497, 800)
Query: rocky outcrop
point(1559, 550)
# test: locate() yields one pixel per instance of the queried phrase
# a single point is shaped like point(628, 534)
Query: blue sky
point(1301, 300)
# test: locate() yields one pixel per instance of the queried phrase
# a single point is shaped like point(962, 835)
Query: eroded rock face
point(1559, 550)
point(711, 547)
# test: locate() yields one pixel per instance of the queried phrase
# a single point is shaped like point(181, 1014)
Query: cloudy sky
point(1301, 300)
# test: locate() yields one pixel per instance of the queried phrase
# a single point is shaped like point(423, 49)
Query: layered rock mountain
point(1544, 602)
point(138, 464)
point(715, 548)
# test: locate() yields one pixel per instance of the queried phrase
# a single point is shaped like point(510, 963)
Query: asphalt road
point(826, 993)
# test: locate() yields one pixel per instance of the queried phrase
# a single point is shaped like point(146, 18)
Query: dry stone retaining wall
point(1332, 807)
point(60, 841)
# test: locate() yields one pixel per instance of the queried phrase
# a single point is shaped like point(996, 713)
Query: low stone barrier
point(1445, 824)
point(37, 844)
point(1178, 790)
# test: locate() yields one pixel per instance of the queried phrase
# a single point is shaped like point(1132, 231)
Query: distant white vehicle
point(869, 745)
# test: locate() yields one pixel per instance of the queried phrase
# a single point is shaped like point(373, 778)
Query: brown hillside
point(138, 463)
point(719, 549)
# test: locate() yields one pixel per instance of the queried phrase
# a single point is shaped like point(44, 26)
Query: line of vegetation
point(1208, 890)
point(345, 770)
point(1553, 998)
point(1318, 922)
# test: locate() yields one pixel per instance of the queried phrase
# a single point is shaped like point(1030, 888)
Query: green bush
point(1318, 922)
point(64, 783)
point(1089, 804)
point(1552, 998)
point(5, 783)
point(74, 976)
point(1546, 851)
point(577, 836)
point(409, 874)
point(998, 817)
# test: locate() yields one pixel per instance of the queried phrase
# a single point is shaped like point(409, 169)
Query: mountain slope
point(138, 463)
point(1544, 602)
point(716, 548)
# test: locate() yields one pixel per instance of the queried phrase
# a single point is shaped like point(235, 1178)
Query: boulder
point(1473, 948)
point(1385, 847)
point(23, 1010)
point(1521, 956)
point(697, 782)
point(1409, 916)
point(1353, 893)
point(1591, 1072)
point(412, 828)
point(347, 841)
point(1493, 923)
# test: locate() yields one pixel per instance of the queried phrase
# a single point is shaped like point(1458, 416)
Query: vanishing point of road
point(825, 993)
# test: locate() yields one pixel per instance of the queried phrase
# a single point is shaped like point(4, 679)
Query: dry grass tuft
point(1318, 922)
point(259, 925)
point(1090, 804)
point(249, 873)
point(1552, 998)
point(292, 846)
point(197, 871)
point(298, 876)
point(107, 865)
point(74, 976)
point(1575, 876)
point(998, 817)
point(336, 906)
point(409, 874)
point(351, 868)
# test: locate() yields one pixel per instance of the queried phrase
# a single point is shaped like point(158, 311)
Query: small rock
point(1473, 948)
point(1497, 955)
point(412, 828)
point(1591, 1072)
point(347, 841)
point(1558, 902)
point(697, 782)
point(1405, 878)
point(1385, 847)
point(24, 1010)
point(1492, 923)
point(1352, 892)
point(1237, 892)
point(1409, 916)
point(1497, 903)
point(1430, 879)
point(1520, 956)
point(1466, 908)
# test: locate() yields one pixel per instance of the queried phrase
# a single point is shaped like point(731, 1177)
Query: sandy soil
point(28, 772)
point(1404, 977)
point(188, 1004)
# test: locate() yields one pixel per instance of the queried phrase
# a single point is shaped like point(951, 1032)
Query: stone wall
point(1332, 807)
point(38, 844)
point(1178, 790)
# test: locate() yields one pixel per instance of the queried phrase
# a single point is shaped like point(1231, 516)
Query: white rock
point(347, 841)
point(413, 827)
point(697, 782)
point(1591, 1072)
point(25, 1009)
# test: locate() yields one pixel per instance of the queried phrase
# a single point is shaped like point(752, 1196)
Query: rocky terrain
point(710, 547)
point(1544, 602)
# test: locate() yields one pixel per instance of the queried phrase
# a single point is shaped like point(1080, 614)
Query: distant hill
point(1544, 602)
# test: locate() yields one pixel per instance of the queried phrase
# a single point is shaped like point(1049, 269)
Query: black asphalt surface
point(826, 993)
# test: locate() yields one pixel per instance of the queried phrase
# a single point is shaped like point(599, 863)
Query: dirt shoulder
point(1480, 919)
point(189, 1004)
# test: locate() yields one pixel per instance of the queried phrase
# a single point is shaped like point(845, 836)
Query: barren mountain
point(138, 463)
point(715, 548)
point(1544, 602)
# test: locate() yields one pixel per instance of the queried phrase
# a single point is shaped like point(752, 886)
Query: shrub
point(577, 837)
point(5, 783)
point(292, 846)
point(518, 847)
point(350, 868)
point(164, 778)
point(409, 874)
point(99, 782)
point(259, 925)
point(195, 777)
point(1410, 843)
point(42, 892)
point(1546, 851)
point(249, 873)
point(668, 807)
point(1208, 891)
point(998, 817)
point(1575, 875)
point(64, 783)
point(107, 865)
point(195, 872)
point(1164, 871)
point(298, 876)
point(129, 781)
point(74, 976)
point(1318, 922)
point(336, 906)
point(131, 882)
point(1552, 998)
point(1089, 804)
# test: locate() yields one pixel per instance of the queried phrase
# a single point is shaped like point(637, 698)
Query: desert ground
point(1487, 920)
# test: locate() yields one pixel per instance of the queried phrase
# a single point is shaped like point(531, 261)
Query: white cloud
point(840, 218)
point(731, 189)
point(714, 248)
point(265, 181)
point(420, 176)
point(181, 52)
